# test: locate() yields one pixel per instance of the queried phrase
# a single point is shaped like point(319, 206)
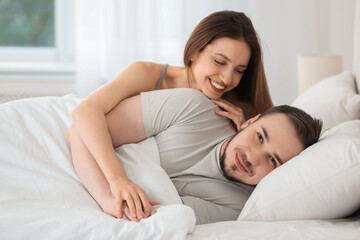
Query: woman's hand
point(109, 207)
point(230, 111)
point(134, 197)
point(127, 215)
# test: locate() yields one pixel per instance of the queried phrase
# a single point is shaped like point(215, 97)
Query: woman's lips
point(239, 164)
point(216, 87)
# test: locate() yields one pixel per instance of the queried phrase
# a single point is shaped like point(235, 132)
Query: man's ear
point(249, 121)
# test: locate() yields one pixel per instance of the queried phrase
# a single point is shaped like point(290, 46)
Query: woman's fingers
point(154, 203)
point(134, 198)
point(227, 105)
point(146, 204)
point(138, 206)
point(152, 210)
point(127, 214)
point(237, 122)
point(231, 112)
point(130, 203)
point(119, 208)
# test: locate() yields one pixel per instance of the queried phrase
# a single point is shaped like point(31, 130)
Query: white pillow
point(333, 99)
point(323, 182)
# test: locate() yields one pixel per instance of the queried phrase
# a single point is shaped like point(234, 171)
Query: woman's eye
point(240, 71)
point(260, 137)
point(219, 62)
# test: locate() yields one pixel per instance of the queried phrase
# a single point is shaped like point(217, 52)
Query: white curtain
point(110, 34)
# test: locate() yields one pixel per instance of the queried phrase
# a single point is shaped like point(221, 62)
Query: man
point(213, 168)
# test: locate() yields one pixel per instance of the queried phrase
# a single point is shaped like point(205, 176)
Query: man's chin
point(234, 179)
point(225, 169)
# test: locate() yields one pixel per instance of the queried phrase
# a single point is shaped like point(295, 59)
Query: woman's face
point(220, 66)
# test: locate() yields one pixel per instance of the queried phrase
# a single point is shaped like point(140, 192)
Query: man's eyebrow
point(268, 140)
point(265, 134)
point(279, 159)
point(220, 54)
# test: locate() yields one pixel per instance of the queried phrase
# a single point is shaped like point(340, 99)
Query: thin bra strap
point(161, 77)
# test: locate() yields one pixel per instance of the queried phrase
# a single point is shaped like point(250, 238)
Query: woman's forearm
point(96, 130)
point(90, 174)
point(92, 128)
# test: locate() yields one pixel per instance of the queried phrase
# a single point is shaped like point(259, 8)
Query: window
point(36, 31)
point(36, 48)
point(27, 23)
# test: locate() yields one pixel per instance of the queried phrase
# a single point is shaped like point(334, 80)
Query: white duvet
point(41, 196)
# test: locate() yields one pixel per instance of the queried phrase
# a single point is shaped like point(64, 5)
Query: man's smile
point(239, 163)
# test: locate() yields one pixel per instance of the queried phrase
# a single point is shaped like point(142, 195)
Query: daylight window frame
point(63, 52)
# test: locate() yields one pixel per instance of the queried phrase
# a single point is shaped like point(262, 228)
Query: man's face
point(260, 147)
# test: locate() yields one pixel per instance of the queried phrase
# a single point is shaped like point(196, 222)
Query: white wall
point(157, 30)
point(290, 28)
point(287, 29)
point(342, 30)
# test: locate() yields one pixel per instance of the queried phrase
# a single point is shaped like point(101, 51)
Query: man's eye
point(218, 62)
point(260, 137)
point(273, 161)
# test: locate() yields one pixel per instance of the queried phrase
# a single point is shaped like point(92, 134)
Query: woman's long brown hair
point(253, 87)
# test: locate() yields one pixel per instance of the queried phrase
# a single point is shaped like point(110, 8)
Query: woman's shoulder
point(150, 68)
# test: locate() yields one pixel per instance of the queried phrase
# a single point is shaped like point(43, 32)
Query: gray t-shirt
point(189, 136)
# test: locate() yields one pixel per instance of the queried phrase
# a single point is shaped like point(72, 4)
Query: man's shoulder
point(179, 96)
point(180, 92)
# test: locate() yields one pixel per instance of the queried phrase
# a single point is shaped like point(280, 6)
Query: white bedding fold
point(41, 196)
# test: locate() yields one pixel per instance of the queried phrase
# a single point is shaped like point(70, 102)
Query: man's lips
point(239, 164)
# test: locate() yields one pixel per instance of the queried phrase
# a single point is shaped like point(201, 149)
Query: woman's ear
point(194, 57)
point(249, 121)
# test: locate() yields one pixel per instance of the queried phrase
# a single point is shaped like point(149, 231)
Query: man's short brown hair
point(307, 128)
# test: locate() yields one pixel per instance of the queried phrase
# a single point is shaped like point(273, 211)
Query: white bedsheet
point(41, 196)
point(289, 230)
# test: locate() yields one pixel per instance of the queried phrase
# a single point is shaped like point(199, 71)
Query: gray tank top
point(161, 77)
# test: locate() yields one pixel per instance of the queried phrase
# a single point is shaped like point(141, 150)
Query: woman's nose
point(227, 77)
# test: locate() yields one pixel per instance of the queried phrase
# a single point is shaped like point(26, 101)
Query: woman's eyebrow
point(267, 138)
point(223, 56)
point(227, 59)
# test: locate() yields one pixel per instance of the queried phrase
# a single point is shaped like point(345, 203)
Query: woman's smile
point(219, 88)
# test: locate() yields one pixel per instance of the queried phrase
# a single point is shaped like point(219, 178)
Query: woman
point(222, 55)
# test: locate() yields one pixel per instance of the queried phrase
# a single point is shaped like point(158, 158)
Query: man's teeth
point(218, 86)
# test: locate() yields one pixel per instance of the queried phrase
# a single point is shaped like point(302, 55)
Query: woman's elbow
point(76, 115)
point(81, 113)
point(70, 132)
point(77, 111)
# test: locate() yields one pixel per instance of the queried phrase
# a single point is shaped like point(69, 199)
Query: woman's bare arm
point(92, 127)
point(90, 174)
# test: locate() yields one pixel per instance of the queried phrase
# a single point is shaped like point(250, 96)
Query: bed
point(314, 196)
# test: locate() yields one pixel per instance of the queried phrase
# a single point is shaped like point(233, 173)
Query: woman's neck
point(177, 77)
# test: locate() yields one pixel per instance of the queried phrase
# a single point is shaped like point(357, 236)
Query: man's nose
point(254, 156)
